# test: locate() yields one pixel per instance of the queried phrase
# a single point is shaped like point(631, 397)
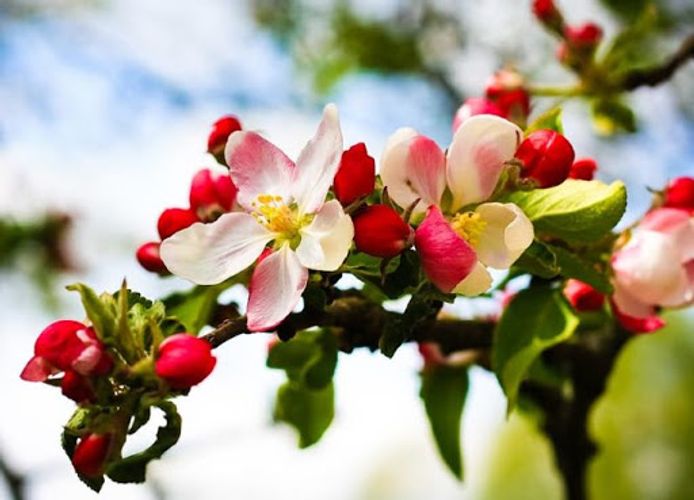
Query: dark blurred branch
point(662, 73)
point(15, 482)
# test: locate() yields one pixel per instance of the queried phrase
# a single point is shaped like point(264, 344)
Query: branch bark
point(655, 76)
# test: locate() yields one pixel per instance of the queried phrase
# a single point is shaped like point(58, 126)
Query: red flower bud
point(583, 169)
point(584, 36)
point(582, 296)
point(172, 220)
point(221, 130)
point(89, 458)
point(647, 324)
point(546, 156)
point(506, 89)
point(680, 193)
point(380, 231)
point(211, 194)
point(356, 175)
point(475, 106)
point(184, 361)
point(149, 258)
point(67, 345)
point(77, 387)
point(545, 10)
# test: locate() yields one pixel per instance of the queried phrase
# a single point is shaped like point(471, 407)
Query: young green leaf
point(443, 392)
point(538, 260)
point(132, 469)
point(575, 266)
point(309, 411)
point(102, 315)
point(309, 358)
point(194, 308)
point(535, 320)
point(574, 210)
point(549, 120)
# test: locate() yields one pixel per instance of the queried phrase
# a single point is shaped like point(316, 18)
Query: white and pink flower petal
point(477, 282)
point(476, 157)
point(37, 370)
point(325, 242)
point(413, 166)
point(318, 163)
point(257, 167)
point(208, 254)
point(677, 223)
point(446, 258)
point(275, 289)
point(507, 233)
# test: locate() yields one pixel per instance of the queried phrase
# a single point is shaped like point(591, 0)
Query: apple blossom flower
point(456, 242)
point(655, 269)
point(475, 106)
point(546, 156)
point(356, 175)
point(148, 257)
point(380, 231)
point(211, 194)
point(221, 130)
point(282, 203)
point(67, 345)
point(583, 169)
point(172, 220)
point(680, 193)
point(184, 360)
point(582, 296)
point(89, 457)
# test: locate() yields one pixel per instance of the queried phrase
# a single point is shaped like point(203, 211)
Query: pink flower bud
point(211, 194)
point(172, 220)
point(583, 169)
point(67, 345)
point(221, 130)
point(184, 361)
point(584, 36)
point(545, 10)
point(380, 231)
point(506, 88)
point(77, 387)
point(546, 156)
point(680, 193)
point(148, 256)
point(475, 106)
point(356, 176)
point(583, 297)
point(89, 458)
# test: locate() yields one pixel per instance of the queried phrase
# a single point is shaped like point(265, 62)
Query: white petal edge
point(476, 156)
point(208, 254)
point(326, 241)
point(318, 163)
point(276, 287)
point(507, 234)
point(476, 283)
point(393, 169)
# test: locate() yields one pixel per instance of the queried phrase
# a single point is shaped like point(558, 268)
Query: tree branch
point(659, 74)
point(360, 322)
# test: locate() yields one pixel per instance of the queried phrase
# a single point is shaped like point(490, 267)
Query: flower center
point(469, 226)
point(280, 218)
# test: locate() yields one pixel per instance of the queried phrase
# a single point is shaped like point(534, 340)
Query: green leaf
point(100, 313)
point(309, 411)
point(194, 308)
point(309, 358)
point(550, 119)
point(538, 260)
point(574, 210)
point(574, 266)
point(443, 391)
point(611, 116)
point(424, 303)
point(132, 469)
point(535, 320)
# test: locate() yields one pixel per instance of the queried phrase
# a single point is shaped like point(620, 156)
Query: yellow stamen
point(469, 226)
point(280, 218)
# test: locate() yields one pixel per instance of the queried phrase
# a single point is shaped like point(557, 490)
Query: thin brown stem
point(658, 74)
